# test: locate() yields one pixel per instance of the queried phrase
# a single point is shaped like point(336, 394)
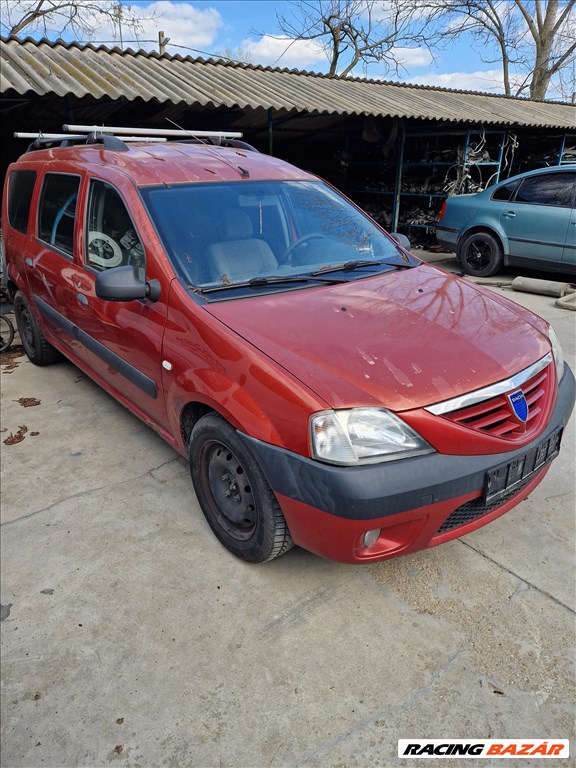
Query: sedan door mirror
point(401, 239)
point(124, 284)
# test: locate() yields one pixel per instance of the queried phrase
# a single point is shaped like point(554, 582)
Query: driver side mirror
point(124, 284)
point(401, 239)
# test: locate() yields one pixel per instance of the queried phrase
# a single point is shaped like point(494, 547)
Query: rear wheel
point(35, 345)
point(480, 254)
point(234, 495)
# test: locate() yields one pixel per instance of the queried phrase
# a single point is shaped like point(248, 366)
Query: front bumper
point(417, 502)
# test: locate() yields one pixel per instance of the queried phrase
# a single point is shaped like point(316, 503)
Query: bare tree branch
point(55, 17)
point(358, 31)
point(534, 38)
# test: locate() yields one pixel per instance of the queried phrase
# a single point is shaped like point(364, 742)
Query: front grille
point(494, 416)
point(477, 508)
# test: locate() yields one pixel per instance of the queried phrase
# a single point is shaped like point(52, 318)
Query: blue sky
point(211, 27)
point(231, 24)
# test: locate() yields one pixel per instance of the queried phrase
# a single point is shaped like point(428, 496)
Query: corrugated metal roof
point(60, 68)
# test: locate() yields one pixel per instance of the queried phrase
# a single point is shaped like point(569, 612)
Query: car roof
point(170, 163)
point(538, 171)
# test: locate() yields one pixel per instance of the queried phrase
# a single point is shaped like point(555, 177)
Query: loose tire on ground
point(6, 333)
point(39, 351)
point(233, 493)
point(480, 254)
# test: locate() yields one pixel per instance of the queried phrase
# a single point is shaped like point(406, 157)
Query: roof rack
point(75, 137)
point(213, 138)
point(48, 140)
point(115, 138)
point(172, 132)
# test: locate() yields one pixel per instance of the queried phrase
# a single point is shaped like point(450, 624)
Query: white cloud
point(284, 51)
point(489, 80)
point(412, 57)
point(385, 11)
point(181, 22)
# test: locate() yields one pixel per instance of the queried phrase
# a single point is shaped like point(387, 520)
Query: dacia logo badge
point(519, 405)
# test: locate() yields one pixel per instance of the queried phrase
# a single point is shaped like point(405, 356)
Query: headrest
point(236, 225)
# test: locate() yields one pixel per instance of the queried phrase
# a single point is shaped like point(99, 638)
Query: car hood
point(404, 339)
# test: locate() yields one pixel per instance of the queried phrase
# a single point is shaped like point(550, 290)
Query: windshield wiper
point(350, 266)
point(258, 282)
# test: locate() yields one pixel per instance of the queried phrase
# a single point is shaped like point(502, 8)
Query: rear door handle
point(28, 261)
point(510, 215)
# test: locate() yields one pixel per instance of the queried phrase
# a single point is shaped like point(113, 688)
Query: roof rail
point(75, 137)
point(168, 132)
point(214, 138)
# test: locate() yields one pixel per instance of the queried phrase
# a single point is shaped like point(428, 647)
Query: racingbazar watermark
point(490, 748)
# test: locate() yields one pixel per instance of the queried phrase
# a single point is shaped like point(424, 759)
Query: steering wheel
point(301, 241)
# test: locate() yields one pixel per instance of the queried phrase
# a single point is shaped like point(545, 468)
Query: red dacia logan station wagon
point(328, 388)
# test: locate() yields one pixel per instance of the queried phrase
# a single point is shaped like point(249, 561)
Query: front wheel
point(480, 254)
point(233, 493)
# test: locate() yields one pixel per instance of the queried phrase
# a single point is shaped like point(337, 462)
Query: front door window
point(112, 240)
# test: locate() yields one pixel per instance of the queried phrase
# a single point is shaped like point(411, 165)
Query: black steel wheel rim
point(479, 254)
point(232, 500)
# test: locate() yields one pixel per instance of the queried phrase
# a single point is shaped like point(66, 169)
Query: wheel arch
point(253, 420)
point(14, 281)
point(191, 413)
point(258, 404)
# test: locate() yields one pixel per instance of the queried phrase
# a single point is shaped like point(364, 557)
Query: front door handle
point(82, 299)
point(28, 261)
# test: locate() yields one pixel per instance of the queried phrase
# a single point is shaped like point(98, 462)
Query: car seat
point(239, 255)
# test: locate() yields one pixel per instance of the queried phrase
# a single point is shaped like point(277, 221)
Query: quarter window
point(505, 192)
point(58, 211)
point(112, 240)
point(20, 189)
point(549, 189)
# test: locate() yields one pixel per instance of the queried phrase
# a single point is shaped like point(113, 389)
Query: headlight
point(363, 435)
point(556, 351)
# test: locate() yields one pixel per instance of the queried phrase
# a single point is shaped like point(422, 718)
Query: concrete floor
point(130, 637)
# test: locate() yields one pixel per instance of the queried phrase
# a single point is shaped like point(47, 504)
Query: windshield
point(220, 234)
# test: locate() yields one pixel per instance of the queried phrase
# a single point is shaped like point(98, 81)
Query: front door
point(122, 341)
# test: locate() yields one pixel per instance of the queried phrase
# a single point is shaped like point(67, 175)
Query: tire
point(6, 333)
point(39, 351)
point(233, 493)
point(480, 254)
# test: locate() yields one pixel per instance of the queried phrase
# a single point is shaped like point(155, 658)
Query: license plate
point(503, 479)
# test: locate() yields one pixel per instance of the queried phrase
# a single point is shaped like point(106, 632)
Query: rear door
point(122, 341)
point(50, 266)
point(538, 219)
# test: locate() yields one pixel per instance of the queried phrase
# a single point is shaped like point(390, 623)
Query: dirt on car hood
point(404, 339)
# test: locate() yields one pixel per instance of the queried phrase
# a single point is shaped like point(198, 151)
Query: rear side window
point(506, 191)
point(58, 210)
point(20, 188)
point(549, 189)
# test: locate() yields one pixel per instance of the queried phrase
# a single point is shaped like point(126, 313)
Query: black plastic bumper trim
point(380, 490)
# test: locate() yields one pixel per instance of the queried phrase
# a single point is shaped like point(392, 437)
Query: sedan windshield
point(223, 234)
